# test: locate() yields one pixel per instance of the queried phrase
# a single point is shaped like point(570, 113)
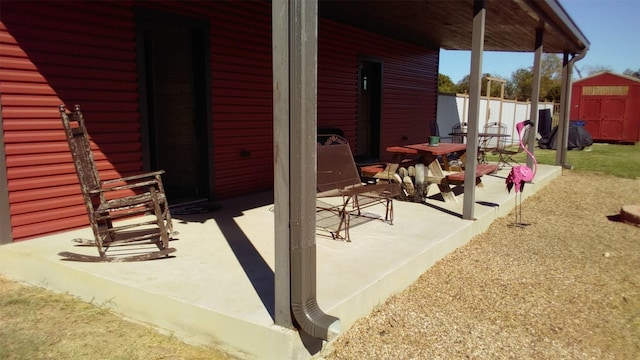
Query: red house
point(609, 106)
point(184, 87)
point(187, 87)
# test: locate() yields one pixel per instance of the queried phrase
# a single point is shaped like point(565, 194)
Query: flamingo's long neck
point(524, 147)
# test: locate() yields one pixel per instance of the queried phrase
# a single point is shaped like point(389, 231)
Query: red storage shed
point(609, 106)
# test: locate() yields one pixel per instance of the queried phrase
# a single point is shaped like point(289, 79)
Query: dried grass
point(39, 324)
point(565, 287)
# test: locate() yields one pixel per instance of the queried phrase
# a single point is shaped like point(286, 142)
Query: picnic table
point(428, 155)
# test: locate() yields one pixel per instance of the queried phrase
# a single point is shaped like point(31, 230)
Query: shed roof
point(610, 77)
point(510, 24)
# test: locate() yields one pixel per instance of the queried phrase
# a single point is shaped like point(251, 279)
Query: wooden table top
point(482, 134)
point(440, 149)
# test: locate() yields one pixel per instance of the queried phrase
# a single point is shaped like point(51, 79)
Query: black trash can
point(544, 122)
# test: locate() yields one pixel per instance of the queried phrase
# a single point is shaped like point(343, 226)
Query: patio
point(218, 289)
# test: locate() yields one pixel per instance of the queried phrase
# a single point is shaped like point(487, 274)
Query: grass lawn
point(618, 160)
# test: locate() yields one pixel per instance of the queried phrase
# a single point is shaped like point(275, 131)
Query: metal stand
point(518, 212)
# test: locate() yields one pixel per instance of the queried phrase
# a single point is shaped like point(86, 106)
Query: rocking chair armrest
point(141, 184)
point(134, 177)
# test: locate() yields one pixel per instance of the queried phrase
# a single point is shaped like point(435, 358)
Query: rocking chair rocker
point(129, 200)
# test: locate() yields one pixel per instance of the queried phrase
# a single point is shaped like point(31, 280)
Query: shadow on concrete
point(256, 268)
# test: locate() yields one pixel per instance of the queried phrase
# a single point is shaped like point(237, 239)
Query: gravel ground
point(565, 287)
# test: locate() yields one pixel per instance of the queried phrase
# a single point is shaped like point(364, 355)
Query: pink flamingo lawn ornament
point(521, 174)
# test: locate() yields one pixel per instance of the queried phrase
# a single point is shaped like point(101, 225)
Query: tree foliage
point(550, 80)
point(519, 86)
point(446, 85)
point(464, 84)
point(522, 80)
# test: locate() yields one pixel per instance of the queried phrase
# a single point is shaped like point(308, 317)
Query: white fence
point(454, 109)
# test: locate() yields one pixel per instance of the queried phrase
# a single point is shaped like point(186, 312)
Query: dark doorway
point(369, 109)
point(172, 54)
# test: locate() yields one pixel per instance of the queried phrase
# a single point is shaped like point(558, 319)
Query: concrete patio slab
point(219, 287)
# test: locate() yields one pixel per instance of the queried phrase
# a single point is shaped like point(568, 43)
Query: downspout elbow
point(314, 321)
point(579, 56)
point(304, 305)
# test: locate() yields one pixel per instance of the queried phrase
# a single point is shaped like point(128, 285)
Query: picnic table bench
point(457, 178)
point(427, 154)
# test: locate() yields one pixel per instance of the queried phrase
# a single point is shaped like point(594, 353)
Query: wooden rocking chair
point(139, 201)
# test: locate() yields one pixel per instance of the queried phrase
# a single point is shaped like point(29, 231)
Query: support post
point(535, 95)
point(296, 183)
point(475, 84)
point(563, 126)
point(280, 49)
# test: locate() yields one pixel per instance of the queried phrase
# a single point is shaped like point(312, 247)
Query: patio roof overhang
point(510, 25)
point(476, 25)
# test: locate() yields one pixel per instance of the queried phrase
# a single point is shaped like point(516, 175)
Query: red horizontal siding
point(241, 69)
point(92, 61)
point(35, 206)
point(409, 94)
point(34, 228)
point(8, 87)
point(45, 62)
point(44, 193)
point(49, 182)
point(38, 217)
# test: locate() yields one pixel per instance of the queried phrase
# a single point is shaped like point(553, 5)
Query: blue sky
point(611, 26)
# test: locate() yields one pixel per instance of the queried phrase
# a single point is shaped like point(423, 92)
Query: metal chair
point(128, 200)
point(458, 129)
point(506, 156)
point(337, 176)
point(490, 143)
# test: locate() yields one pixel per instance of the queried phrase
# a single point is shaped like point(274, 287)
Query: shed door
point(613, 118)
point(590, 110)
point(604, 116)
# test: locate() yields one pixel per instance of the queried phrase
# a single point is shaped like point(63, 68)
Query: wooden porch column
point(567, 73)
point(535, 94)
point(563, 126)
point(475, 84)
point(280, 50)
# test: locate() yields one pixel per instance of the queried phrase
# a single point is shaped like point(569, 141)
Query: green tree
point(551, 66)
point(463, 85)
point(446, 85)
point(554, 92)
point(521, 82)
point(550, 77)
